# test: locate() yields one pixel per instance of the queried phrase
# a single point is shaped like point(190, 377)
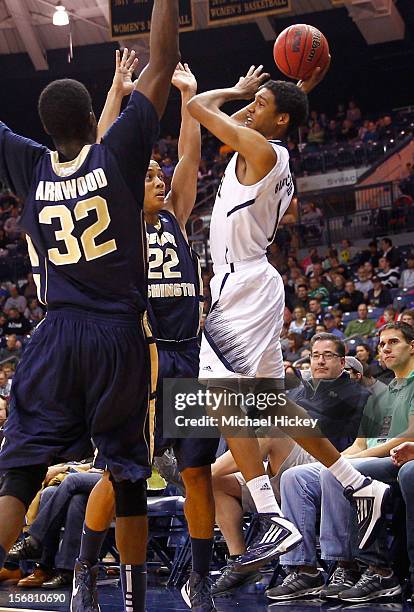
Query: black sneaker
point(370, 499)
point(341, 580)
point(197, 593)
point(297, 585)
point(84, 591)
point(372, 586)
point(232, 578)
point(275, 536)
point(28, 548)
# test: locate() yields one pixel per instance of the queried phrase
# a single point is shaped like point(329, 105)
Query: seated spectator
point(387, 130)
point(371, 255)
point(13, 348)
point(390, 253)
point(316, 134)
point(340, 112)
point(295, 343)
point(347, 252)
point(331, 325)
point(16, 323)
point(11, 226)
point(407, 316)
point(62, 504)
point(5, 384)
point(332, 397)
point(351, 298)
point(332, 132)
point(15, 301)
point(299, 320)
point(339, 289)
point(363, 129)
point(348, 131)
point(309, 491)
point(311, 219)
point(353, 113)
point(407, 276)
point(379, 296)
point(301, 298)
point(310, 326)
point(364, 354)
point(317, 290)
point(363, 283)
point(371, 135)
point(362, 326)
point(3, 322)
point(388, 316)
point(34, 312)
point(315, 308)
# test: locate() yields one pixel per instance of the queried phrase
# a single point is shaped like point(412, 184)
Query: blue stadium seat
point(375, 313)
point(349, 316)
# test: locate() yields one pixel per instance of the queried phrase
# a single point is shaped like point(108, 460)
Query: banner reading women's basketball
point(132, 18)
point(223, 11)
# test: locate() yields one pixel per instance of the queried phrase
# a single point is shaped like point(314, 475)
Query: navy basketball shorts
point(181, 363)
point(83, 377)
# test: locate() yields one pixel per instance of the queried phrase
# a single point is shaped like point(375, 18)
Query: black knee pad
point(23, 482)
point(130, 497)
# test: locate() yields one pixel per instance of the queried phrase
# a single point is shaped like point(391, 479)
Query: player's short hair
point(290, 99)
point(339, 345)
point(64, 108)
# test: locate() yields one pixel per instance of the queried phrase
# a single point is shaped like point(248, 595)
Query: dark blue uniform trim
point(223, 282)
point(217, 351)
point(239, 206)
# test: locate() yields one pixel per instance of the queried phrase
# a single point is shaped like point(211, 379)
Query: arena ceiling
point(26, 25)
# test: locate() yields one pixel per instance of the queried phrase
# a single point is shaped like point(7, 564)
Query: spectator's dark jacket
point(382, 300)
point(350, 301)
point(337, 404)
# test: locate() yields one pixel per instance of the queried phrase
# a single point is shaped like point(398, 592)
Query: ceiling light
point(60, 16)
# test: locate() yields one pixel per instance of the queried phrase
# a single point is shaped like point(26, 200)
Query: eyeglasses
point(328, 356)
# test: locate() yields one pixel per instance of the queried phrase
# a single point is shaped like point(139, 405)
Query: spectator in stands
point(347, 252)
point(15, 301)
point(362, 326)
point(348, 132)
point(338, 292)
point(371, 255)
point(311, 218)
point(353, 113)
point(9, 369)
point(317, 290)
point(351, 298)
point(3, 414)
point(309, 490)
point(34, 312)
point(5, 384)
point(29, 288)
point(302, 298)
point(407, 317)
point(13, 348)
point(388, 316)
point(331, 397)
point(363, 130)
point(299, 320)
point(3, 322)
point(363, 353)
point(295, 343)
point(332, 132)
point(315, 308)
point(354, 368)
point(340, 112)
point(387, 130)
point(390, 252)
point(371, 135)
point(379, 296)
point(363, 283)
point(16, 323)
point(390, 277)
point(407, 276)
point(316, 134)
point(331, 325)
point(11, 226)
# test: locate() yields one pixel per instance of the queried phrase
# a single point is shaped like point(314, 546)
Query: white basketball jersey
point(245, 217)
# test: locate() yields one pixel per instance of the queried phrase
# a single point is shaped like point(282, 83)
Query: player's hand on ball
point(317, 76)
point(124, 72)
point(183, 79)
point(248, 85)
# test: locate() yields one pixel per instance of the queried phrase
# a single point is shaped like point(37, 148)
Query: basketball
point(299, 49)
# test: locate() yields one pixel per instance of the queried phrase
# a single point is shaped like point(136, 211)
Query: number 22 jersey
point(83, 218)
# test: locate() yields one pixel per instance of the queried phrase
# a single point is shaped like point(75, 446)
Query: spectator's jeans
point(63, 506)
point(310, 492)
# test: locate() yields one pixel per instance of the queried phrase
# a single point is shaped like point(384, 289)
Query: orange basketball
point(299, 49)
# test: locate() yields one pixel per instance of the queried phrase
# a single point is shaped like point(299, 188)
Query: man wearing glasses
point(330, 396)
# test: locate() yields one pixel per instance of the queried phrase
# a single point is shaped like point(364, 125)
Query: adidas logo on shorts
point(265, 487)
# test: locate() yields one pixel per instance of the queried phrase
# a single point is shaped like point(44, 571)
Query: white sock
point(346, 474)
point(263, 496)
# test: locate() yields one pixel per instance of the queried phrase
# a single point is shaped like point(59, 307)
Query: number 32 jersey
point(83, 218)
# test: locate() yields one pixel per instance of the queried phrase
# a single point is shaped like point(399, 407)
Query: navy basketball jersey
point(83, 218)
point(174, 281)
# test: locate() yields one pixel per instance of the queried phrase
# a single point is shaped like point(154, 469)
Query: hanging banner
point(226, 11)
point(132, 18)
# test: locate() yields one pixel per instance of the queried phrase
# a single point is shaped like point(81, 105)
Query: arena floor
point(161, 599)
